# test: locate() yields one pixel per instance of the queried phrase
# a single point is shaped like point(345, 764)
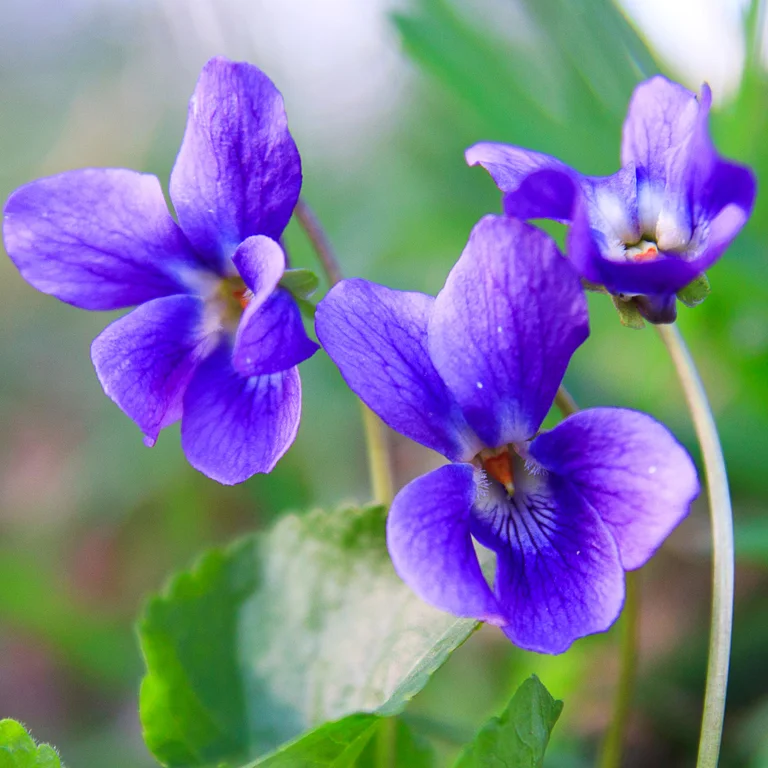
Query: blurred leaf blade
point(285, 630)
point(519, 737)
point(573, 93)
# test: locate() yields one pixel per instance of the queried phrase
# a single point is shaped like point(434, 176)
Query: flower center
point(645, 250)
point(228, 301)
point(497, 462)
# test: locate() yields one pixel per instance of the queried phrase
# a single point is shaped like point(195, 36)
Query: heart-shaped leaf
point(285, 630)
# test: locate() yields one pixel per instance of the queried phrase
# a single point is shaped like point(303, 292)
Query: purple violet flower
point(472, 374)
point(215, 340)
point(658, 223)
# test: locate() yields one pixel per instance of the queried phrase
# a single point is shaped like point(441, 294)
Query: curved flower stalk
point(472, 374)
point(652, 228)
point(215, 340)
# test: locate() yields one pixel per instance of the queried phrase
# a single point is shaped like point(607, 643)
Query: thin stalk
point(386, 743)
point(376, 442)
point(610, 756)
point(565, 402)
point(320, 242)
point(722, 546)
point(379, 466)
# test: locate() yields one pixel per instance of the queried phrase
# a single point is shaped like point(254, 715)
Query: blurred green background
point(382, 98)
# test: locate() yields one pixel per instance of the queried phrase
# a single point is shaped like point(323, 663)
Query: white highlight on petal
point(671, 233)
point(616, 216)
point(479, 385)
point(649, 203)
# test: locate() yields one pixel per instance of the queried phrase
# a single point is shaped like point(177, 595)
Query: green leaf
point(300, 282)
point(283, 631)
point(519, 738)
point(356, 740)
point(336, 745)
point(18, 750)
point(396, 744)
point(695, 292)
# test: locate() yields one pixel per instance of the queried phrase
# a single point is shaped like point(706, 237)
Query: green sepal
point(695, 292)
point(302, 283)
point(588, 285)
point(519, 737)
point(629, 314)
point(18, 750)
point(307, 308)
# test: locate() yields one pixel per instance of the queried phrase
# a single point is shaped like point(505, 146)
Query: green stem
point(722, 547)
point(320, 242)
point(610, 756)
point(376, 442)
point(386, 743)
point(565, 403)
point(379, 465)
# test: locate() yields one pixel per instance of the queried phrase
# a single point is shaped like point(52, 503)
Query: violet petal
point(145, 360)
point(629, 468)
point(238, 171)
point(378, 339)
point(236, 426)
point(430, 544)
point(271, 337)
point(98, 238)
point(504, 327)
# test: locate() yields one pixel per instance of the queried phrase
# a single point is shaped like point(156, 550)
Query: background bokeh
point(383, 98)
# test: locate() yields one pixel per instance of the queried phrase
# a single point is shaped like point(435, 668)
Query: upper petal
point(238, 171)
point(510, 167)
point(504, 327)
point(662, 116)
point(145, 360)
point(431, 547)
point(271, 337)
point(98, 238)
point(558, 574)
point(235, 426)
point(378, 339)
point(629, 468)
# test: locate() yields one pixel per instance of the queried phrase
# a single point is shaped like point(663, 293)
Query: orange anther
point(499, 467)
point(240, 295)
point(647, 255)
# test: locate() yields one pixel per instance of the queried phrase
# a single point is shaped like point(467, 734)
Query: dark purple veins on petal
point(558, 574)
